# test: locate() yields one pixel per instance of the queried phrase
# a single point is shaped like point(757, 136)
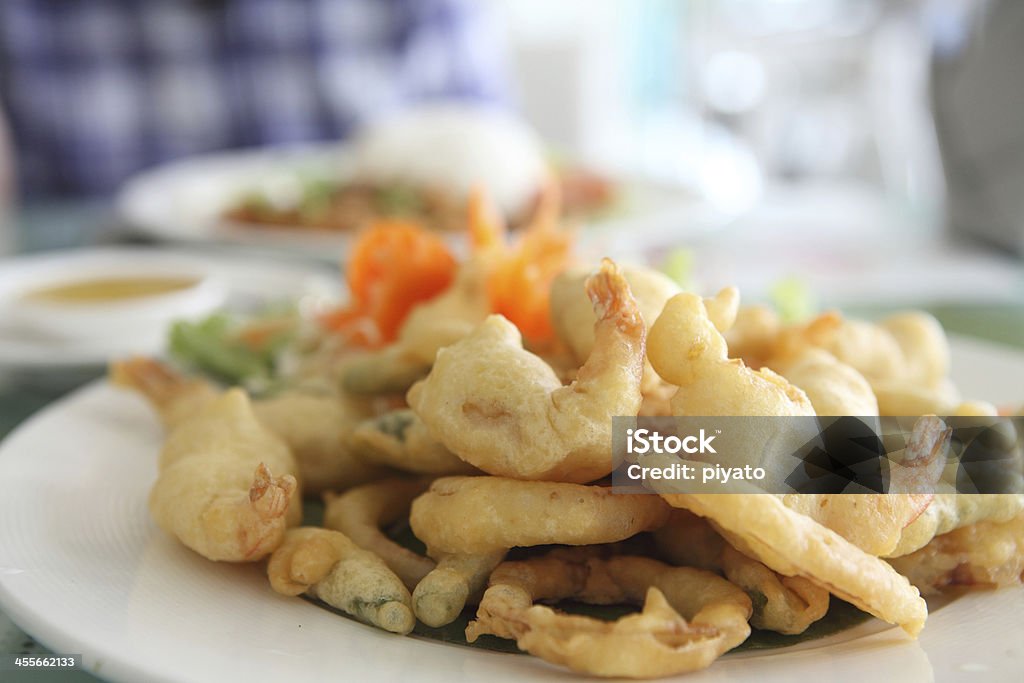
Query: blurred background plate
point(184, 201)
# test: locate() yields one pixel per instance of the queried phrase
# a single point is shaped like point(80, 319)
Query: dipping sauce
point(102, 290)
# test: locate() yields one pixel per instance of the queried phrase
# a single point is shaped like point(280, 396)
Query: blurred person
point(6, 188)
point(96, 90)
point(977, 95)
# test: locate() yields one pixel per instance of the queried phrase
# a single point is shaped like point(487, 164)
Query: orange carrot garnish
point(394, 266)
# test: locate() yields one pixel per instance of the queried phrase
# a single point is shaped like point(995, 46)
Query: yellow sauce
point(100, 290)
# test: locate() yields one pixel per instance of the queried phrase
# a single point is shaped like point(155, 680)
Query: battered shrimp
point(686, 347)
point(987, 553)
point(689, 618)
point(784, 604)
point(216, 490)
point(904, 357)
point(941, 398)
point(907, 347)
point(754, 335)
point(504, 410)
point(316, 427)
point(833, 387)
point(573, 315)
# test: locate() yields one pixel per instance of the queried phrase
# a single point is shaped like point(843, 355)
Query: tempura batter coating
point(907, 347)
point(398, 439)
point(226, 486)
point(686, 348)
point(316, 427)
point(690, 617)
point(360, 512)
point(875, 523)
point(987, 553)
point(784, 604)
point(754, 335)
point(951, 511)
point(477, 515)
point(329, 566)
point(457, 580)
point(833, 387)
point(572, 314)
point(793, 545)
point(504, 410)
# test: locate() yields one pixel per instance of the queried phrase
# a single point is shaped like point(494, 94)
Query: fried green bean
point(457, 580)
point(327, 565)
point(360, 512)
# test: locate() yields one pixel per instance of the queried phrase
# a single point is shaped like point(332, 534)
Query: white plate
point(249, 283)
point(84, 570)
point(182, 202)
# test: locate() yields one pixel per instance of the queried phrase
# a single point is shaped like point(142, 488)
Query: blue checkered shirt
point(96, 90)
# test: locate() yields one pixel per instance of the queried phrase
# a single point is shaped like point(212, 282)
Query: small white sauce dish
point(96, 294)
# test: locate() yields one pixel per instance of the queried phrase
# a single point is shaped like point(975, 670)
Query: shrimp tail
point(270, 496)
point(173, 395)
point(610, 294)
point(548, 208)
point(486, 224)
point(156, 381)
point(262, 526)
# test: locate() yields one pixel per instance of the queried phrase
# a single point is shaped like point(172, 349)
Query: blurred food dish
point(80, 308)
point(90, 295)
point(422, 166)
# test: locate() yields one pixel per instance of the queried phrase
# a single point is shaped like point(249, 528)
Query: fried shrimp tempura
point(754, 335)
point(226, 486)
point(504, 410)
point(760, 526)
point(360, 512)
point(477, 515)
point(686, 348)
point(458, 580)
point(329, 566)
point(690, 617)
point(573, 314)
point(987, 553)
point(907, 347)
point(905, 358)
point(316, 427)
point(833, 387)
point(878, 523)
point(950, 511)
point(784, 604)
